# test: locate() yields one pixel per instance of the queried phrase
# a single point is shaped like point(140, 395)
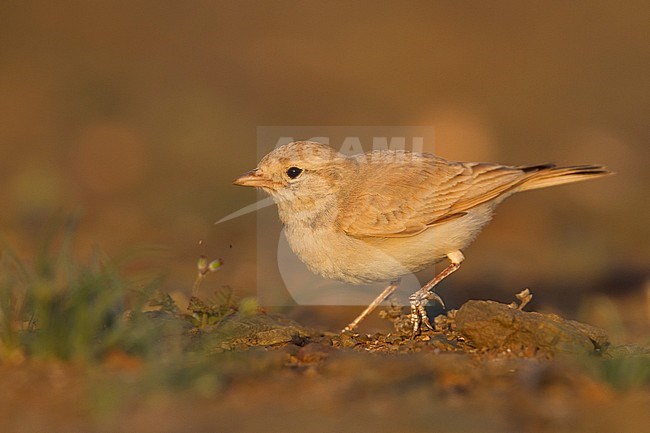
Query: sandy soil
point(487, 367)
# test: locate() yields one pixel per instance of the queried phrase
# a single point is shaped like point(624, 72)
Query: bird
point(383, 214)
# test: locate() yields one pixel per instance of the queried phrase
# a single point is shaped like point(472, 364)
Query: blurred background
point(139, 114)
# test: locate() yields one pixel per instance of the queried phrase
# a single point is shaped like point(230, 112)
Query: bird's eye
point(294, 172)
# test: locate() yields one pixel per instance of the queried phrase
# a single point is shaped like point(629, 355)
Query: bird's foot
point(418, 301)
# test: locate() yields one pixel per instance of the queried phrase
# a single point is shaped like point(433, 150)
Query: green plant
point(57, 306)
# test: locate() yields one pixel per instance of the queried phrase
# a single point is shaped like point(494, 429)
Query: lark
point(380, 215)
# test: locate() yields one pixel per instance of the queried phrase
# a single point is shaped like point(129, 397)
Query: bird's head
point(299, 174)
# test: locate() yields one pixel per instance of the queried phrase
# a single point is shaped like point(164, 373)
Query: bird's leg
point(421, 298)
point(369, 309)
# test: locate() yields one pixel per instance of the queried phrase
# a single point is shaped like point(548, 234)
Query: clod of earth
point(491, 325)
point(257, 330)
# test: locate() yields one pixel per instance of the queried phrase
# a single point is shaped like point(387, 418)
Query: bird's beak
point(255, 179)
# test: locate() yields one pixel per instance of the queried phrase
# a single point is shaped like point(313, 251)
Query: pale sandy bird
point(383, 214)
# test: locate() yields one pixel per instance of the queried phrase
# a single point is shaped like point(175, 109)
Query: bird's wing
point(394, 197)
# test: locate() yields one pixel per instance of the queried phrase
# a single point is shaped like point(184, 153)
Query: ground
point(487, 367)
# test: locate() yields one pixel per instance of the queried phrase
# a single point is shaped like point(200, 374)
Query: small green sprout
point(204, 268)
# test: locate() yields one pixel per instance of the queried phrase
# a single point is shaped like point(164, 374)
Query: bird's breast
point(331, 253)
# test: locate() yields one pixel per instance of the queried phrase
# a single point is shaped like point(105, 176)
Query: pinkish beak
point(255, 179)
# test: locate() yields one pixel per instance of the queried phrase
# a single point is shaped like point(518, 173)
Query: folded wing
point(402, 194)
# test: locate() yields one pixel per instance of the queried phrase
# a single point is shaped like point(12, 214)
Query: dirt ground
point(487, 367)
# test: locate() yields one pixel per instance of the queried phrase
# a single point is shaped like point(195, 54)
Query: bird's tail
point(542, 176)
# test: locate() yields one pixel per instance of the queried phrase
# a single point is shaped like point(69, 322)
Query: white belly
point(338, 256)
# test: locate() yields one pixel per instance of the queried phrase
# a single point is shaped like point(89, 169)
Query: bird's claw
point(419, 317)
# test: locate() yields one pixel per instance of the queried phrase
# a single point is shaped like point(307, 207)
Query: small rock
point(491, 325)
point(347, 340)
point(259, 330)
